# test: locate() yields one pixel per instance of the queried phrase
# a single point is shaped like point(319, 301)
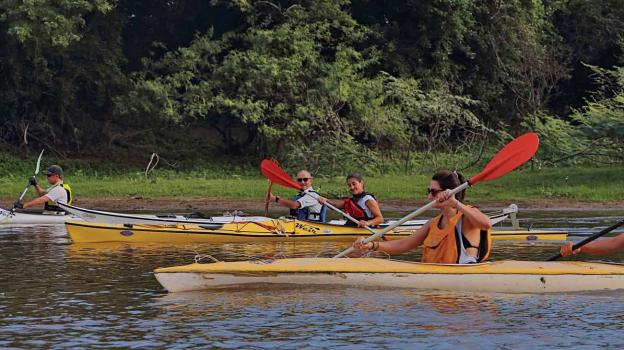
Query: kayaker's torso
point(446, 242)
point(59, 193)
point(357, 208)
point(310, 209)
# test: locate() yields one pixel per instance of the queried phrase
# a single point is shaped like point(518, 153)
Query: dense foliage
point(333, 84)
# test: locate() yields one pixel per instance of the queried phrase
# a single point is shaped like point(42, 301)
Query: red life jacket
point(352, 207)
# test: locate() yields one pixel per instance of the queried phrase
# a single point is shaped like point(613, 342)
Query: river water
point(54, 294)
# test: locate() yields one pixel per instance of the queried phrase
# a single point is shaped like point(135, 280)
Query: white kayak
point(106, 217)
point(42, 218)
point(8, 217)
point(501, 276)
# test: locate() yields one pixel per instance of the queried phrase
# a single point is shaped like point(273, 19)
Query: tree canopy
point(326, 82)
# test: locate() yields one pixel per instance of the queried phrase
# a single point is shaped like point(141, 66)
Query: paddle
point(273, 172)
point(28, 186)
point(266, 200)
point(591, 238)
point(513, 155)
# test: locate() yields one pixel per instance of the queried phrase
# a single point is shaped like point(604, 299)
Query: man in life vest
point(362, 205)
point(460, 234)
point(58, 192)
point(303, 206)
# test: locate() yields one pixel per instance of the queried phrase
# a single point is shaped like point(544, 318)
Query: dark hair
point(448, 180)
point(354, 176)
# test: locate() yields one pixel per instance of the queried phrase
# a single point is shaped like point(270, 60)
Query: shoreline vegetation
point(581, 188)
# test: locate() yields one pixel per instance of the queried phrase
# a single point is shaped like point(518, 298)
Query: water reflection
point(62, 295)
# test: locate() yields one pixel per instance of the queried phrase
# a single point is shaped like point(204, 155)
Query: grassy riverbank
point(565, 184)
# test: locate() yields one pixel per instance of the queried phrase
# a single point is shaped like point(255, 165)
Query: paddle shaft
point(591, 238)
point(266, 200)
point(23, 193)
point(28, 185)
point(351, 218)
point(404, 219)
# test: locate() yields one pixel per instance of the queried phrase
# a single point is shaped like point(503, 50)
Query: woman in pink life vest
point(362, 206)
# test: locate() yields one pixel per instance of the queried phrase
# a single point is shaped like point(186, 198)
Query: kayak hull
point(245, 232)
point(502, 277)
point(22, 218)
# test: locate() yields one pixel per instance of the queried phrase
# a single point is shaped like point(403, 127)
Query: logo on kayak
point(126, 233)
point(531, 238)
point(307, 228)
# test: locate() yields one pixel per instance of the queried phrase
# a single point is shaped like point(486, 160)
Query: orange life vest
point(441, 246)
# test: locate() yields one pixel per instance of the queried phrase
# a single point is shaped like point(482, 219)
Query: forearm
point(604, 247)
point(475, 216)
point(36, 202)
point(377, 220)
point(288, 203)
point(40, 191)
point(400, 246)
point(336, 203)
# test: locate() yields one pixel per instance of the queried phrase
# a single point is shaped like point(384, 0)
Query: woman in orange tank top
point(459, 234)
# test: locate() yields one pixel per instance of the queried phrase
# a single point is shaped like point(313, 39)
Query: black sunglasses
point(303, 179)
point(434, 191)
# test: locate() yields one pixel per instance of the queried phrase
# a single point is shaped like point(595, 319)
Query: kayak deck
point(502, 276)
point(273, 230)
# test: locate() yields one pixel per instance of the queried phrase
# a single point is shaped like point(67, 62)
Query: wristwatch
point(277, 198)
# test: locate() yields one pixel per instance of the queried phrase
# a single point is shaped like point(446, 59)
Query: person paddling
point(302, 206)
point(460, 234)
point(362, 206)
point(59, 192)
point(606, 246)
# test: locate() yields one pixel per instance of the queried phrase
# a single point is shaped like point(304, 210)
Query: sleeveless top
point(448, 245)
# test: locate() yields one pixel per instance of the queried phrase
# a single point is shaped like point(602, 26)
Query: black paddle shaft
point(591, 238)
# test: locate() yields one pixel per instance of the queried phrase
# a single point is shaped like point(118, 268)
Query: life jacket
point(306, 213)
point(357, 208)
point(51, 205)
point(445, 246)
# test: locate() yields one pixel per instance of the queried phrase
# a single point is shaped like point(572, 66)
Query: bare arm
point(377, 219)
point(36, 201)
point(607, 246)
point(284, 202)
point(40, 190)
point(474, 217)
point(336, 203)
point(400, 245)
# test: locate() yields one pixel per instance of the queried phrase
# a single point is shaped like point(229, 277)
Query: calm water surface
point(54, 294)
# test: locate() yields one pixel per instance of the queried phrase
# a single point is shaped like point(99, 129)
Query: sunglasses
point(48, 175)
point(434, 191)
point(303, 179)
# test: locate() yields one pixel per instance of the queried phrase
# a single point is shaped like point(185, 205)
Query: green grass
point(575, 184)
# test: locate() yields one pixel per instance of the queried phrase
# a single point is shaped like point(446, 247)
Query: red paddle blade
point(513, 155)
point(273, 172)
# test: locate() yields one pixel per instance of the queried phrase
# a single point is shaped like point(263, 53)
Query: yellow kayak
point(271, 230)
point(501, 276)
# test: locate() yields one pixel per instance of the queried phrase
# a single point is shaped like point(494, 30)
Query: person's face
point(52, 179)
point(304, 179)
point(355, 187)
point(434, 190)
